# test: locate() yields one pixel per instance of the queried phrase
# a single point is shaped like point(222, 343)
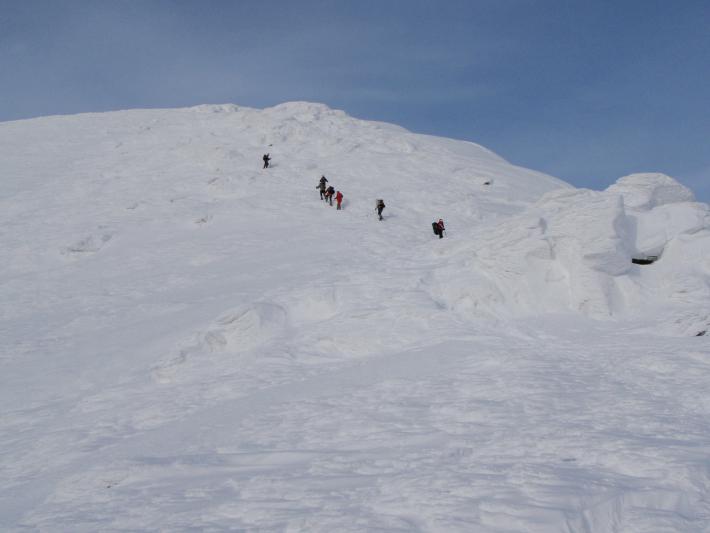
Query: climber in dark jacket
point(266, 159)
point(438, 228)
point(379, 206)
point(321, 186)
point(329, 192)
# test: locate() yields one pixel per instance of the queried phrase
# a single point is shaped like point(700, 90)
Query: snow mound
point(649, 190)
point(562, 254)
point(656, 227)
point(303, 111)
point(573, 249)
point(246, 328)
point(235, 333)
point(312, 304)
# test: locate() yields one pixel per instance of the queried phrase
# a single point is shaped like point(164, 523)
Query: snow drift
point(572, 250)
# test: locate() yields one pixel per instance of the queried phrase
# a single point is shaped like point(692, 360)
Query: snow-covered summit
point(189, 341)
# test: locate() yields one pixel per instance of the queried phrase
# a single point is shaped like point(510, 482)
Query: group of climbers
point(328, 191)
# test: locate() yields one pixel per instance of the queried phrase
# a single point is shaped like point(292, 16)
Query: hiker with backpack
point(266, 159)
point(438, 228)
point(379, 206)
point(329, 192)
point(338, 199)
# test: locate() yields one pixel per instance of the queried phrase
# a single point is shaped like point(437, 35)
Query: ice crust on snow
point(189, 342)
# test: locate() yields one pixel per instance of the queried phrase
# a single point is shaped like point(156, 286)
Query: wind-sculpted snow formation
point(190, 342)
point(572, 250)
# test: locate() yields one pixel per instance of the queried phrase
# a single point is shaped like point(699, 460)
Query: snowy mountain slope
point(189, 341)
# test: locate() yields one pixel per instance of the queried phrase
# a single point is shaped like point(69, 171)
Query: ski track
point(209, 347)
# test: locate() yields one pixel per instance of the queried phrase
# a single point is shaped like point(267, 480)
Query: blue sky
point(586, 90)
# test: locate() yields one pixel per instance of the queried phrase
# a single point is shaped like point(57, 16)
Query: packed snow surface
point(191, 342)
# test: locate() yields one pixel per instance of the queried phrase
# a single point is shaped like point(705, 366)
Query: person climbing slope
point(338, 199)
point(438, 228)
point(329, 192)
point(266, 159)
point(321, 186)
point(379, 206)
